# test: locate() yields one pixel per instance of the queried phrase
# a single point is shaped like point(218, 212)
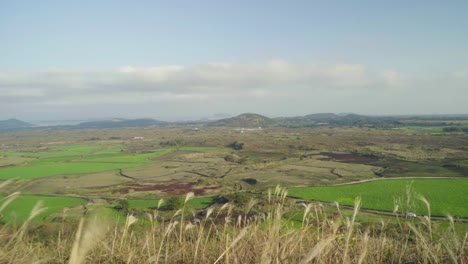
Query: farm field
point(45, 170)
point(446, 196)
point(110, 165)
point(194, 203)
point(22, 206)
point(122, 179)
point(79, 159)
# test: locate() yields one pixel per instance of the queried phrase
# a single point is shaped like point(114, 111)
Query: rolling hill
point(115, 123)
point(247, 120)
point(13, 124)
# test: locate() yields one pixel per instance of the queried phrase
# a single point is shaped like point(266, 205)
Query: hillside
point(322, 116)
point(352, 120)
point(114, 123)
point(245, 120)
point(13, 124)
point(313, 120)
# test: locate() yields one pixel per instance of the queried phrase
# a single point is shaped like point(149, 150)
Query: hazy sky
point(188, 59)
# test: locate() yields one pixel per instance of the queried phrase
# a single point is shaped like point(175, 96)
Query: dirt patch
point(169, 189)
point(332, 171)
point(349, 157)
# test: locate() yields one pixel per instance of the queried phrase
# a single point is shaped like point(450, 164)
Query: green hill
point(13, 124)
point(144, 122)
point(247, 120)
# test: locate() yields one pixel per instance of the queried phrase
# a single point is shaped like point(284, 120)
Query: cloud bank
point(276, 87)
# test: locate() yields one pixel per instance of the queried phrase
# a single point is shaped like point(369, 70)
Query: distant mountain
point(214, 117)
point(331, 119)
point(116, 123)
point(321, 116)
point(296, 122)
point(353, 120)
point(247, 120)
point(252, 120)
point(13, 124)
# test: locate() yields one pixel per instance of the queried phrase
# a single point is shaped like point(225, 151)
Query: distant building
point(138, 138)
point(242, 129)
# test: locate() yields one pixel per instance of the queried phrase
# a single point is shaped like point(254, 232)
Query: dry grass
point(259, 233)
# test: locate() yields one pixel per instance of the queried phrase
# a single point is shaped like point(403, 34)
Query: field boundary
point(393, 178)
point(378, 212)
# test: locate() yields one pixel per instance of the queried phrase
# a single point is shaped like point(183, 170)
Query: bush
point(174, 203)
point(250, 181)
point(122, 206)
point(238, 198)
point(236, 145)
point(452, 129)
point(235, 158)
point(168, 143)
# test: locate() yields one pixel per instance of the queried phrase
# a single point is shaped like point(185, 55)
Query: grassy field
point(425, 129)
point(20, 208)
point(44, 170)
point(446, 196)
point(93, 184)
point(74, 159)
point(194, 203)
point(65, 151)
point(136, 158)
point(401, 168)
point(173, 161)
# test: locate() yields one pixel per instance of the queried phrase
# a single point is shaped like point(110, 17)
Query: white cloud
point(229, 87)
point(392, 78)
point(176, 79)
point(460, 74)
point(153, 74)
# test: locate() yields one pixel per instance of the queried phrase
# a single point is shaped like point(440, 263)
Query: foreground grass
point(236, 235)
point(446, 196)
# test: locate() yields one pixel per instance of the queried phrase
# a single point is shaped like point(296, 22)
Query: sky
point(177, 60)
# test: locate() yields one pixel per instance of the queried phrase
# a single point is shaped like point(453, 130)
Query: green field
point(22, 206)
point(136, 158)
point(423, 128)
point(65, 151)
point(446, 196)
point(76, 159)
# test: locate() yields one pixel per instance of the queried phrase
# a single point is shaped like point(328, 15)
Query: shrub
point(236, 145)
point(168, 143)
point(238, 198)
point(250, 181)
point(452, 129)
point(122, 206)
point(235, 158)
point(174, 203)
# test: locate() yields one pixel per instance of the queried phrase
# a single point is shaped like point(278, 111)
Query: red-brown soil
point(349, 157)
